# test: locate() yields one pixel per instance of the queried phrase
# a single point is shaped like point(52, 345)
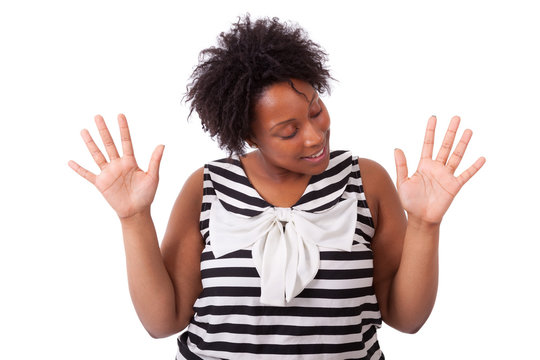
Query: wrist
point(135, 218)
point(420, 223)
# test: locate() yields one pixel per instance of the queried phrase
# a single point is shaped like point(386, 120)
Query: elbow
point(407, 320)
point(411, 329)
point(160, 332)
point(155, 335)
point(408, 327)
point(156, 332)
point(163, 333)
point(405, 325)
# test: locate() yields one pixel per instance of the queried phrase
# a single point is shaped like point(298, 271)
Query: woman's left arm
point(406, 250)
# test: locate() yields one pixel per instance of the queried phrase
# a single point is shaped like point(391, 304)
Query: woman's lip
point(320, 152)
point(323, 154)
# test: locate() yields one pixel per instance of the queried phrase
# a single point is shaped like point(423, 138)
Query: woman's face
point(291, 129)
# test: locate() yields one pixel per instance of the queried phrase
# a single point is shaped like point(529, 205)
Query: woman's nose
point(314, 135)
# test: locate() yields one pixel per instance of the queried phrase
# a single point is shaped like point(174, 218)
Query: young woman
point(291, 249)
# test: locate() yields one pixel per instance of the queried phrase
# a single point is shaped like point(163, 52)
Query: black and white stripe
point(334, 317)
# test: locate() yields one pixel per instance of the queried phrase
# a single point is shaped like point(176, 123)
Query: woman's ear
point(251, 143)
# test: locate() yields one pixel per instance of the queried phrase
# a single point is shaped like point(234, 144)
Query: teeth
point(317, 154)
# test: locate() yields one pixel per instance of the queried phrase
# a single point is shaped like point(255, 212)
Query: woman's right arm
point(163, 286)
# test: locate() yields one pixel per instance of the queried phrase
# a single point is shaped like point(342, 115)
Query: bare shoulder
point(182, 236)
point(194, 184)
point(193, 187)
point(186, 209)
point(191, 193)
point(377, 184)
point(372, 170)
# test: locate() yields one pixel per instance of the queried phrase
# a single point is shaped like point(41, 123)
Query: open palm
point(128, 189)
point(428, 193)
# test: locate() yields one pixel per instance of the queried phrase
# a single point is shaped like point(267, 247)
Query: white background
point(62, 267)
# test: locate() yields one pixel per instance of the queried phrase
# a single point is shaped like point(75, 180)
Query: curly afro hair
point(230, 78)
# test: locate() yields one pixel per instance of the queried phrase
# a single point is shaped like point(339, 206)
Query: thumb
point(402, 172)
point(155, 161)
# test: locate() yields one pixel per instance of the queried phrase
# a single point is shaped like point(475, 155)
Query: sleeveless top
point(334, 315)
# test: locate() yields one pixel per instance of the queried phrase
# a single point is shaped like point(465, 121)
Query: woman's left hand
point(428, 193)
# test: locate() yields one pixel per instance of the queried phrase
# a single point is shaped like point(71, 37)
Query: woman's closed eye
point(319, 112)
point(316, 109)
point(291, 133)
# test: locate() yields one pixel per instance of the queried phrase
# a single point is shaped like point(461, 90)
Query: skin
point(163, 283)
point(289, 126)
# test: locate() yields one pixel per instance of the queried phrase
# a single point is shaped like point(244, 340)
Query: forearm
point(150, 285)
point(414, 287)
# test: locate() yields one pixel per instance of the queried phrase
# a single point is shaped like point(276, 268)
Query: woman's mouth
point(317, 156)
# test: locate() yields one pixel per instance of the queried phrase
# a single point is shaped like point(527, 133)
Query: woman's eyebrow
point(313, 98)
point(283, 122)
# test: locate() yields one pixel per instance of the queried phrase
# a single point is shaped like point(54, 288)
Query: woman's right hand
point(127, 188)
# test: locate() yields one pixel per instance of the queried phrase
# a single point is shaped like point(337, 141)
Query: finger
point(155, 160)
point(106, 138)
point(429, 138)
point(93, 148)
point(82, 171)
point(127, 147)
point(459, 151)
point(448, 141)
point(402, 172)
point(467, 174)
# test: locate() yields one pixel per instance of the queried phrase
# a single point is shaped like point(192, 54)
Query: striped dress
point(336, 315)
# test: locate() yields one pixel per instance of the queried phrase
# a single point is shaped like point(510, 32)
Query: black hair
point(229, 78)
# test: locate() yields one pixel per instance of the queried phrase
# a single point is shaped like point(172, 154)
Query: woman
point(289, 250)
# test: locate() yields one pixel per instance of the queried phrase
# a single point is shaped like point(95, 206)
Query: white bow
point(285, 243)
